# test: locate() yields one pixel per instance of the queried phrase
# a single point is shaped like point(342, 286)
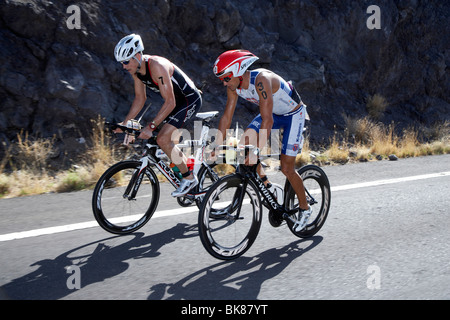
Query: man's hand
point(212, 152)
point(146, 133)
point(118, 130)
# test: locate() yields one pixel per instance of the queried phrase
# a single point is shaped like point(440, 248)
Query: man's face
point(230, 82)
point(131, 65)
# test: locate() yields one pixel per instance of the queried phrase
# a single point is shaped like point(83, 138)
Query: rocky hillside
point(58, 72)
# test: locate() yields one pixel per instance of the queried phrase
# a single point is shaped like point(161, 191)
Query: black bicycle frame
point(249, 173)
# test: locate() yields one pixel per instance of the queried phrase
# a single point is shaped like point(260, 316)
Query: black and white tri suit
point(187, 96)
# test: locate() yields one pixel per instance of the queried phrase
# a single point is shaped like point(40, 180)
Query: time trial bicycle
point(127, 194)
point(231, 213)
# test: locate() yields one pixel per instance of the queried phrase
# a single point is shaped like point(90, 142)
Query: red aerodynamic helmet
point(234, 61)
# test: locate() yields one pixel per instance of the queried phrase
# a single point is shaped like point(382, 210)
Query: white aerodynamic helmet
point(128, 47)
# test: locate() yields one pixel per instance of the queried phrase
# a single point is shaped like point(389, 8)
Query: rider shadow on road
point(240, 279)
point(98, 261)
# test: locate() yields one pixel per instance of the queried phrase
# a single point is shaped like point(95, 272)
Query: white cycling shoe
point(303, 217)
point(186, 185)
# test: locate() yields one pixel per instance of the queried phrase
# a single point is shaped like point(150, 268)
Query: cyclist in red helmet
point(280, 107)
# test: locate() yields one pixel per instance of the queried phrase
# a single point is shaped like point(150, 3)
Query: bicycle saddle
point(207, 115)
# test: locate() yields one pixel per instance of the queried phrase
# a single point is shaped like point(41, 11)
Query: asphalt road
point(384, 240)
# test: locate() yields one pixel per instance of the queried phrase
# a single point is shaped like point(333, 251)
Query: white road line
point(90, 224)
point(173, 212)
point(390, 181)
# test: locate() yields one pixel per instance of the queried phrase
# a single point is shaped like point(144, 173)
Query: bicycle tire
point(206, 179)
point(314, 177)
point(227, 238)
point(113, 211)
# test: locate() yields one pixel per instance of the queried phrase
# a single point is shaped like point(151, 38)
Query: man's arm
point(264, 89)
point(227, 117)
point(161, 74)
point(140, 96)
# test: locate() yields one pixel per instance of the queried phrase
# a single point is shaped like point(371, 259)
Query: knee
point(162, 140)
point(288, 170)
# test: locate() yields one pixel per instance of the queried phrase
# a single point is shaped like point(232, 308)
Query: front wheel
point(318, 196)
point(230, 217)
point(125, 198)
point(208, 175)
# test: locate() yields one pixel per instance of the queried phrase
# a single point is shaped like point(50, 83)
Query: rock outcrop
point(58, 73)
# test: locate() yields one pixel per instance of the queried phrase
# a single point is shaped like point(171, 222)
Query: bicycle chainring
point(275, 219)
point(185, 201)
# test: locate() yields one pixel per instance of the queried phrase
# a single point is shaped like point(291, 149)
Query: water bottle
point(230, 155)
point(278, 192)
point(190, 163)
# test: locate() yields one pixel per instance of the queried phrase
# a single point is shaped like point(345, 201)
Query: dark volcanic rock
point(54, 79)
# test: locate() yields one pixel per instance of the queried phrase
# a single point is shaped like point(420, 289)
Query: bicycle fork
point(237, 204)
point(135, 181)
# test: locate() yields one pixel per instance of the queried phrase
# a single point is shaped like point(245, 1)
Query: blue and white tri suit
point(285, 100)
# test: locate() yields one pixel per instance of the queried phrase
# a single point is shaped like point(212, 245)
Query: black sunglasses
point(126, 62)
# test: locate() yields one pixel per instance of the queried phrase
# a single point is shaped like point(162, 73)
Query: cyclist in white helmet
point(280, 107)
point(182, 100)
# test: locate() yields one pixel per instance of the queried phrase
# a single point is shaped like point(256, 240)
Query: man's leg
point(288, 169)
point(250, 137)
point(167, 145)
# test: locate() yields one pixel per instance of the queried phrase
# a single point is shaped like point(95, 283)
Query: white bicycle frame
point(158, 160)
